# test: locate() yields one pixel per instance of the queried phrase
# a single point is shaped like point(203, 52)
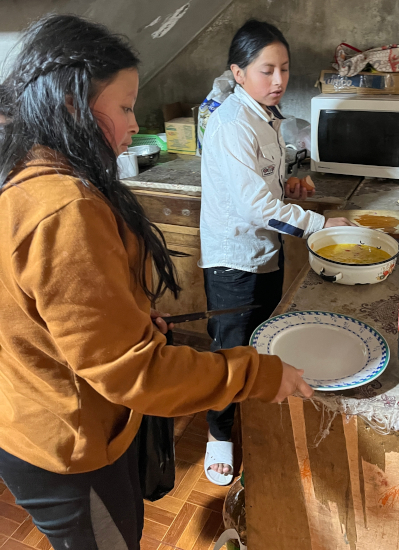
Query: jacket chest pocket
point(269, 161)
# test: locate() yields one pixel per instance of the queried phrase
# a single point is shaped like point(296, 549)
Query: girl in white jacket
point(242, 212)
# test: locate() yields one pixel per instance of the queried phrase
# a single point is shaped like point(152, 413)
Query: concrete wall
point(313, 29)
point(159, 29)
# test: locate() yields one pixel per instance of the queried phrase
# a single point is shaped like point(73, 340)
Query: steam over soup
point(353, 253)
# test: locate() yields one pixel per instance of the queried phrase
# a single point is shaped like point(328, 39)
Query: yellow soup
point(353, 253)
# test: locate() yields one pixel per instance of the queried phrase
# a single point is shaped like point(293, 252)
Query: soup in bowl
point(352, 255)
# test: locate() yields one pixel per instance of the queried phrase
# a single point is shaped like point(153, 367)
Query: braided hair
point(68, 56)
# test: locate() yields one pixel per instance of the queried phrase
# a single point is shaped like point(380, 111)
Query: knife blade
point(187, 317)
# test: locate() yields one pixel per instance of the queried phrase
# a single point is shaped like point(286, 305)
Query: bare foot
point(220, 468)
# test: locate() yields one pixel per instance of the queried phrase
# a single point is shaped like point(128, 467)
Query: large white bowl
point(352, 274)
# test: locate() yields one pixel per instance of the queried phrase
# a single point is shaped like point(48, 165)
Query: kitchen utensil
point(293, 159)
point(127, 165)
point(186, 317)
point(147, 155)
point(351, 274)
point(336, 352)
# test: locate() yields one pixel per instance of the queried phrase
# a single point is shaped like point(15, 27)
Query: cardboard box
point(181, 127)
point(330, 82)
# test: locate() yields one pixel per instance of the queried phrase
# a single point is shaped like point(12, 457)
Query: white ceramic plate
point(335, 351)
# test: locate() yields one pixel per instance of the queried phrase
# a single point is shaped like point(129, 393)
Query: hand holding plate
point(292, 382)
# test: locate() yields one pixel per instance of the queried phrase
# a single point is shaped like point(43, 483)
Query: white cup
point(127, 165)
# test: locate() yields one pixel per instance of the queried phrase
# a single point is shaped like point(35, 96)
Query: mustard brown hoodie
point(80, 359)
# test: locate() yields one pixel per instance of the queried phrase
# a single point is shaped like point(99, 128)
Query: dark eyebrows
point(271, 64)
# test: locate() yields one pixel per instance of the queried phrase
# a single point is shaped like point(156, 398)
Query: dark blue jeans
point(228, 288)
point(97, 510)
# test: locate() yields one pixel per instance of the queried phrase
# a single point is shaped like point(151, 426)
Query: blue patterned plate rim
point(385, 347)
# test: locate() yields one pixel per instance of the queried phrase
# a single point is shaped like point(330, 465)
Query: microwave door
point(366, 138)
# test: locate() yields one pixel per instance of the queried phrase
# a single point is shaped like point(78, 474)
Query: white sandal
point(218, 452)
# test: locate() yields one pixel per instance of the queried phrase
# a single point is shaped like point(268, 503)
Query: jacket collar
point(245, 98)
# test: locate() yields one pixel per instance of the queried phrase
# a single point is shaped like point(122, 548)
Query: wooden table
point(344, 493)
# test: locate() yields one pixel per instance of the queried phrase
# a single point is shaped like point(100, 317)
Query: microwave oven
point(355, 135)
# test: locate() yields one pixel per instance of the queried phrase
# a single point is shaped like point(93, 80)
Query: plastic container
point(289, 130)
point(149, 139)
point(128, 165)
point(234, 516)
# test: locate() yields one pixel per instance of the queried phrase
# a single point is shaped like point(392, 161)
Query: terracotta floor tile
point(211, 527)
point(207, 501)
point(194, 528)
point(34, 537)
point(208, 488)
point(152, 512)
point(7, 496)
point(181, 468)
point(215, 538)
point(44, 544)
point(12, 544)
point(188, 482)
point(190, 450)
point(181, 424)
point(8, 526)
point(168, 503)
point(13, 512)
point(198, 439)
point(3, 539)
point(199, 424)
point(149, 544)
point(164, 546)
point(182, 519)
point(23, 530)
point(154, 530)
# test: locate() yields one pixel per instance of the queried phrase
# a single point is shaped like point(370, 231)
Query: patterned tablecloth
point(377, 305)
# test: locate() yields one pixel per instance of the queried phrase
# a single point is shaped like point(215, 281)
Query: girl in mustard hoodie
point(81, 355)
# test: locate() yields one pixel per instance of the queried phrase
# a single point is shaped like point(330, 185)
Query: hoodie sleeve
point(77, 272)
point(234, 148)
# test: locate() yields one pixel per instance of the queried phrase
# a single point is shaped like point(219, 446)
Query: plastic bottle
point(234, 516)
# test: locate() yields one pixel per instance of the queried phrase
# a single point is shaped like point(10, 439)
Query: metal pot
point(147, 155)
point(293, 159)
point(352, 274)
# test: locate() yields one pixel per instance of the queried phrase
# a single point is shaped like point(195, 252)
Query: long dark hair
point(66, 55)
point(250, 39)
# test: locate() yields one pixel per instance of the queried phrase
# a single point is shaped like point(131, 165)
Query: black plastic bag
point(156, 453)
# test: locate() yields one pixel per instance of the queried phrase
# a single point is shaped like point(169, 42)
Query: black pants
point(227, 288)
point(98, 510)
